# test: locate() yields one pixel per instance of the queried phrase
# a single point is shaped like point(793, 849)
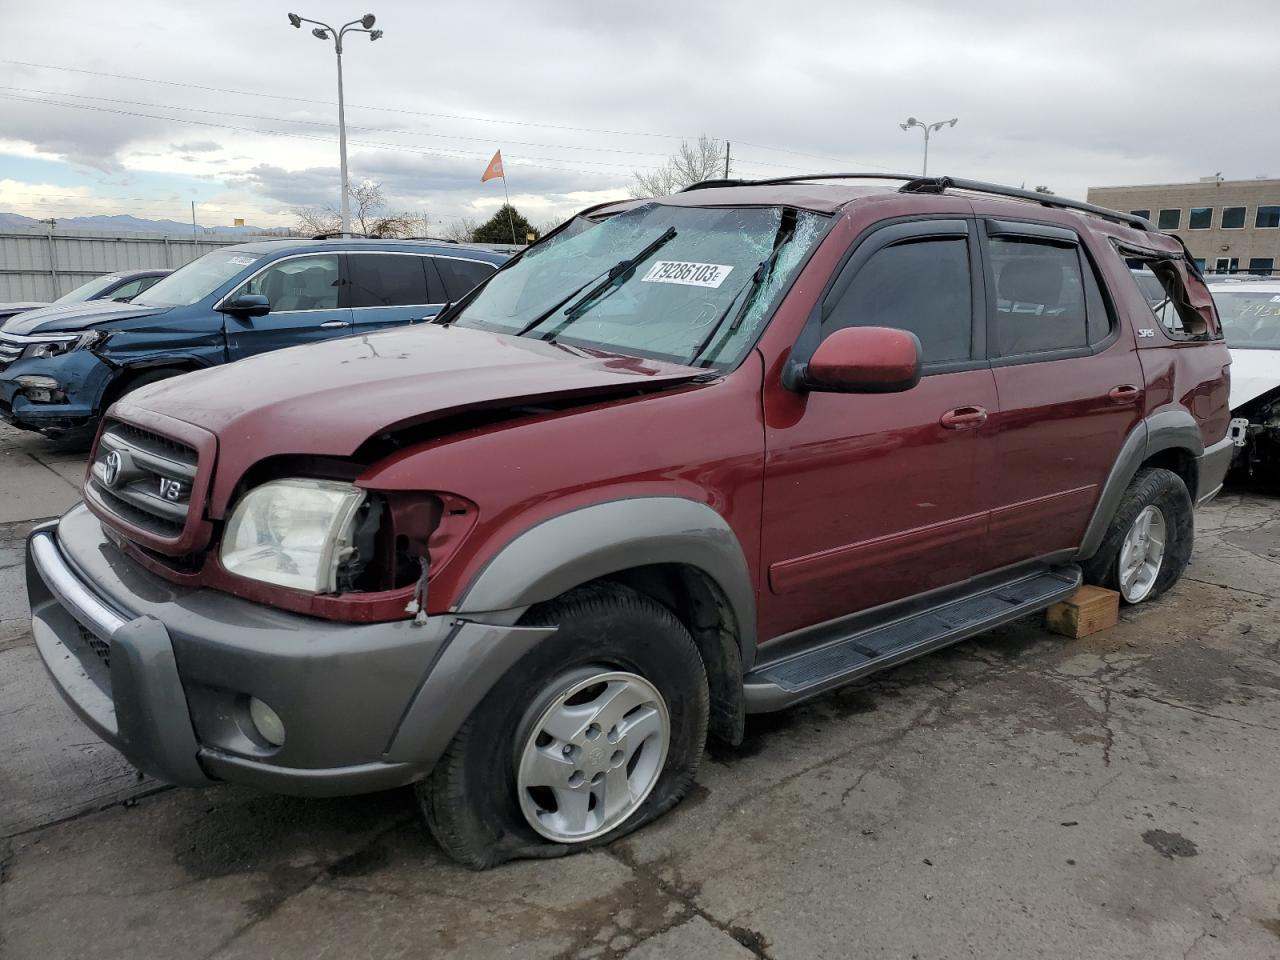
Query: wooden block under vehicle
point(1086, 611)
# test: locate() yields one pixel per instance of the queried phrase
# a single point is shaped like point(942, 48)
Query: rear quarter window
point(460, 276)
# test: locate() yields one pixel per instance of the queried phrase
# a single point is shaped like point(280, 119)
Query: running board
point(780, 683)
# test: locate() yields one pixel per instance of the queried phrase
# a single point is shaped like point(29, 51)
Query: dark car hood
point(328, 398)
point(67, 317)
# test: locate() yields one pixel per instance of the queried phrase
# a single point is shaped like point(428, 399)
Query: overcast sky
point(580, 94)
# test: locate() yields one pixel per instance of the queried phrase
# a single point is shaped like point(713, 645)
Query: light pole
point(323, 31)
point(928, 128)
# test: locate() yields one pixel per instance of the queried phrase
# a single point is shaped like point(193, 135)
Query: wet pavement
point(1019, 795)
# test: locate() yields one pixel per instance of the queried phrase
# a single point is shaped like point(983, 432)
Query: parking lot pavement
point(1019, 795)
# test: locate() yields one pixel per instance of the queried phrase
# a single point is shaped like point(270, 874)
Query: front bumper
point(163, 673)
point(82, 380)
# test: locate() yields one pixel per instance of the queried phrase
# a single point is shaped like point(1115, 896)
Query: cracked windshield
point(690, 284)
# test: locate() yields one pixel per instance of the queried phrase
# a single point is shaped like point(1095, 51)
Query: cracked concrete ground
point(1019, 795)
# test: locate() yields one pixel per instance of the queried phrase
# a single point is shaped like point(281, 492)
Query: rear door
point(388, 289)
point(871, 498)
point(1070, 386)
point(303, 291)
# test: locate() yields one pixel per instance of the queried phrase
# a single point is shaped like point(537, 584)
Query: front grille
point(10, 350)
point(100, 647)
point(144, 478)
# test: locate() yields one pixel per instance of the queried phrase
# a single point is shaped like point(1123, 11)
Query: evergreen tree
point(497, 229)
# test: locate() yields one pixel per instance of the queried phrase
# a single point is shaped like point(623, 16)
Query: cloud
point(195, 146)
point(1094, 92)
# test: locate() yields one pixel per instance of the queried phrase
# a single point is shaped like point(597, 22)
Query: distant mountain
point(123, 223)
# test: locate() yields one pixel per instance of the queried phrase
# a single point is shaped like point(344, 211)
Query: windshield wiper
point(749, 288)
point(613, 278)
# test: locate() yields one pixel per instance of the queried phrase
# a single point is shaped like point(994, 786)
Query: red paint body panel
point(859, 486)
point(328, 398)
point(1057, 436)
point(702, 442)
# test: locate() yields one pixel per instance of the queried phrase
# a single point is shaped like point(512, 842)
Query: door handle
point(330, 324)
point(1125, 393)
point(964, 418)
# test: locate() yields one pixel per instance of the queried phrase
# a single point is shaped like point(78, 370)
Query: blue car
point(121, 285)
point(61, 368)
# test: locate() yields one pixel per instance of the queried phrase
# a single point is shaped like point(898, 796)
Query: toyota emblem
point(111, 468)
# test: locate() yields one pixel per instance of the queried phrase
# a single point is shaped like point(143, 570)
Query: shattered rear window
point(680, 302)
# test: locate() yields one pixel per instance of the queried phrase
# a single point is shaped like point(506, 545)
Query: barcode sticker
point(689, 274)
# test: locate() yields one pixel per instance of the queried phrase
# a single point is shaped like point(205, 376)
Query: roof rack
point(709, 184)
point(774, 181)
point(339, 235)
point(942, 184)
point(915, 184)
point(432, 239)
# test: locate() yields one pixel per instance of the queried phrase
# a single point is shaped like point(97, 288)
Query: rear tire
point(487, 800)
point(1149, 541)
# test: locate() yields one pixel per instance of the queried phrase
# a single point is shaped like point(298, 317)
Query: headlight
point(294, 533)
point(52, 345)
point(49, 347)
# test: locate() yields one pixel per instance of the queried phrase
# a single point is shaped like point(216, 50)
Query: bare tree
point(461, 229)
point(369, 215)
point(692, 163)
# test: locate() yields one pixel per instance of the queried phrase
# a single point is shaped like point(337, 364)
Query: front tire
point(597, 731)
point(1149, 541)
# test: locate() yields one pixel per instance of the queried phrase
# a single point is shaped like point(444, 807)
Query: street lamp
point(323, 31)
point(928, 128)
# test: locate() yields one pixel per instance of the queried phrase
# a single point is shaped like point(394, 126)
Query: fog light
point(38, 389)
point(267, 722)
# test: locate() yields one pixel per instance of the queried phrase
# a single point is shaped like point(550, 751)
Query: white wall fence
point(41, 266)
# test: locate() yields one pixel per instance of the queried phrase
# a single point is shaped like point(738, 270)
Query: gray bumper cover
point(1212, 467)
point(365, 707)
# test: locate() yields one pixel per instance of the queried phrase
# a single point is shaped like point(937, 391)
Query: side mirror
point(248, 305)
point(864, 360)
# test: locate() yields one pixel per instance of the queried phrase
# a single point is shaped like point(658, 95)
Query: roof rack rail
point(773, 181)
point(432, 239)
point(719, 182)
point(942, 184)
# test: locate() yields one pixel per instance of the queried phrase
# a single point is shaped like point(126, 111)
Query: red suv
point(687, 458)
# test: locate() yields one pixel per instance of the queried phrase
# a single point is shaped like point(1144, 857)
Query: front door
point(303, 292)
point(871, 498)
point(1070, 385)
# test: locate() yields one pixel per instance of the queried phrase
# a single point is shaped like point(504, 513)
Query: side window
point(127, 291)
point(459, 276)
point(1047, 298)
point(919, 285)
point(386, 280)
point(146, 283)
point(300, 283)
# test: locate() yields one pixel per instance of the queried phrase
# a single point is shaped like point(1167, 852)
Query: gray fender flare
point(544, 562)
point(1167, 430)
point(573, 548)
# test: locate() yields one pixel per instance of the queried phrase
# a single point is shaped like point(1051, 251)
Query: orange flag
point(494, 169)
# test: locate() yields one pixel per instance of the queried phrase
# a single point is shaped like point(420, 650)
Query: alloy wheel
point(1142, 553)
point(592, 755)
